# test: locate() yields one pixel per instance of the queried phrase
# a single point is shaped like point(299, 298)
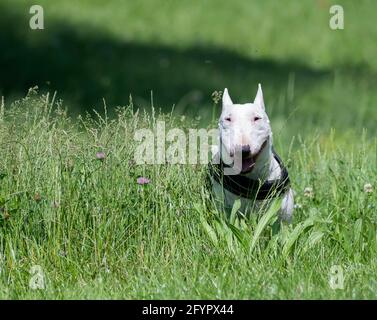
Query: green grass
point(97, 234)
point(184, 50)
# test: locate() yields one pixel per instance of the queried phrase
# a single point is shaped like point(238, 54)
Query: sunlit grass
point(97, 233)
point(70, 199)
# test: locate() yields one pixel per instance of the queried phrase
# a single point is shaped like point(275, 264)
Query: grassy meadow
point(82, 219)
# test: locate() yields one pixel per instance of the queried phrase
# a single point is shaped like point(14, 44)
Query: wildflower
point(368, 188)
point(216, 96)
point(308, 192)
point(100, 155)
point(143, 180)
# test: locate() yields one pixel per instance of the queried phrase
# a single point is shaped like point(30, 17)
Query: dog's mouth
point(248, 163)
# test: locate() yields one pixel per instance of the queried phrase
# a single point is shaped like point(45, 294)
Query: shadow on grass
point(84, 65)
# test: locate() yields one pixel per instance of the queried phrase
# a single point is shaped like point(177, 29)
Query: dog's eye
point(228, 119)
point(256, 118)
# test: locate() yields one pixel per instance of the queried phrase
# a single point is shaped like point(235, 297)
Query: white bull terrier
point(247, 167)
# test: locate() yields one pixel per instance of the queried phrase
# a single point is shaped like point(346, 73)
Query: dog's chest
point(226, 198)
point(225, 201)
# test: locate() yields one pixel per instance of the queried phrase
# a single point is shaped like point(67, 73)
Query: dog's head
point(245, 131)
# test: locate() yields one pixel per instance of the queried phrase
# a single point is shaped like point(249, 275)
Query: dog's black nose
point(245, 150)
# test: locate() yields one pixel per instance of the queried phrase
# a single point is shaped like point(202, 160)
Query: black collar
point(249, 188)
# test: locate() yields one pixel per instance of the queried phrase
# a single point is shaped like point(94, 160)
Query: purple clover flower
point(100, 155)
point(142, 180)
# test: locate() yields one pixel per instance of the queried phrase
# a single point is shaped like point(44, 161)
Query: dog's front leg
point(287, 205)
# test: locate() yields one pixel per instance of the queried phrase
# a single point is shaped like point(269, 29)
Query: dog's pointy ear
point(227, 101)
point(259, 97)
